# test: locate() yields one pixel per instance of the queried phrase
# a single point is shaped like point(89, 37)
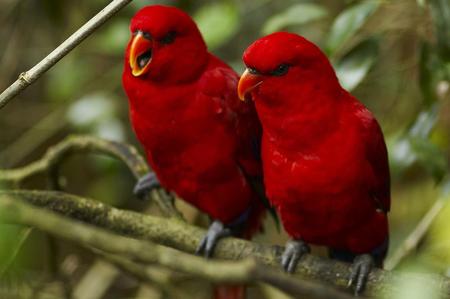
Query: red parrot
point(324, 157)
point(200, 139)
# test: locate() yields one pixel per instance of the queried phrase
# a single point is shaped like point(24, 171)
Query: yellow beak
point(140, 54)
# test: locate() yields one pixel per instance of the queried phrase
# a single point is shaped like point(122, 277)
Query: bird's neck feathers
point(309, 110)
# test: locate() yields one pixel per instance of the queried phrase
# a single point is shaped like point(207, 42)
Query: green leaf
point(424, 123)
point(347, 23)
point(67, 77)
point(427, 67)
point(218, 22)
point(355, 65)
point(430, 157)
point(295, 15)
point(440, 12)
point(416, 148)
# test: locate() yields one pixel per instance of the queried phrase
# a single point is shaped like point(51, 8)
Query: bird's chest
point(316, 173)
point(168, 122)
point(183, 134)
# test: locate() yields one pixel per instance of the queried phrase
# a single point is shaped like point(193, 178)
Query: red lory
point(324, 156)
point(201, 141)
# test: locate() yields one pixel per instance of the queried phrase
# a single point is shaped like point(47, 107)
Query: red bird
point(200, 139)
point(324, 157)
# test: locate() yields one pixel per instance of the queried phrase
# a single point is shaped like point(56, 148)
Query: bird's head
point(282, 65)
point(165, 45)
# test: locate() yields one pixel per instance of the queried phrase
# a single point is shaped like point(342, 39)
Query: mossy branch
point(14, 210)
point(185, 237)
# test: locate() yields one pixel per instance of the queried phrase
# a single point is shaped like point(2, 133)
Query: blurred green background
point(393, 55)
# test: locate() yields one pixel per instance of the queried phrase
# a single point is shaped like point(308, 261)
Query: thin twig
point(245, 271)
point(28, 77)
point(24, 234)
point(412, 241)
point(144, 273)
point(185, 237)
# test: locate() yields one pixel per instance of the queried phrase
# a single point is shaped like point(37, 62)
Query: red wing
point(377, 156)
point(221, 83)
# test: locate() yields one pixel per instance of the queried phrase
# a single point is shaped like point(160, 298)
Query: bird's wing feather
point(221, 82)
point(377, 156)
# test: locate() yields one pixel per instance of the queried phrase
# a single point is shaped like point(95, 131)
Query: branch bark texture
point(245, 271)
point(185, 237)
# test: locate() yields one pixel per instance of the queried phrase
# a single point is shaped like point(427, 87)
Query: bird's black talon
point(145, 184)
point(362, 265)
point(292, 254)
point(216, 231)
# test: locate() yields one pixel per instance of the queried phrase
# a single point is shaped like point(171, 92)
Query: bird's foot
point(216, 231)
point(146, 184)
point(292, 254)
point(362, 265)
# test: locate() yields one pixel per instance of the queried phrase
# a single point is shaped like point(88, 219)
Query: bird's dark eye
point(281, 70)
point(168, 38)
point(253, 71)
point(147, 35)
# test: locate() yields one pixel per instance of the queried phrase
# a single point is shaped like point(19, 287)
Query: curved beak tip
point(247, 83)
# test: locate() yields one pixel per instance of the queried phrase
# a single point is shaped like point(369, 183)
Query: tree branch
point(245, 271)
point(186, 237)
point(55, 155)
point(157, 276)
point(28, 77)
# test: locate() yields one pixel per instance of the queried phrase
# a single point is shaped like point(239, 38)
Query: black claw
point(216, 231)
point(146, 184)
point(201, 246)
point(362, 265)
point(292, 254)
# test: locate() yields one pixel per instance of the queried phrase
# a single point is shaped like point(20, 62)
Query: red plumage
point(324, 157)
point(185, 111)
point(196, 132)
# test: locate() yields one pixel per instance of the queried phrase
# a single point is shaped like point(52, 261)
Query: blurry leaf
point(218, 22)
point(429, 66)
point(424, 123)
point(90, 109)
point(22, 238)
point(440, 10)
point(347, 23)
point(401, 155)
point(67, 77)
point(436, 249)
point(415, 147)
point(111, 129)
point(414, 286)
point(108, 188)
point(54, 10)
point(421, 3)
point(354, 66)
point(295, 15)
point(113, 39)
point(430, 157)
point(96, 113)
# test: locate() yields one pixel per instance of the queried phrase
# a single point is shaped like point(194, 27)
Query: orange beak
point(140, 54)
point(247, 83)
